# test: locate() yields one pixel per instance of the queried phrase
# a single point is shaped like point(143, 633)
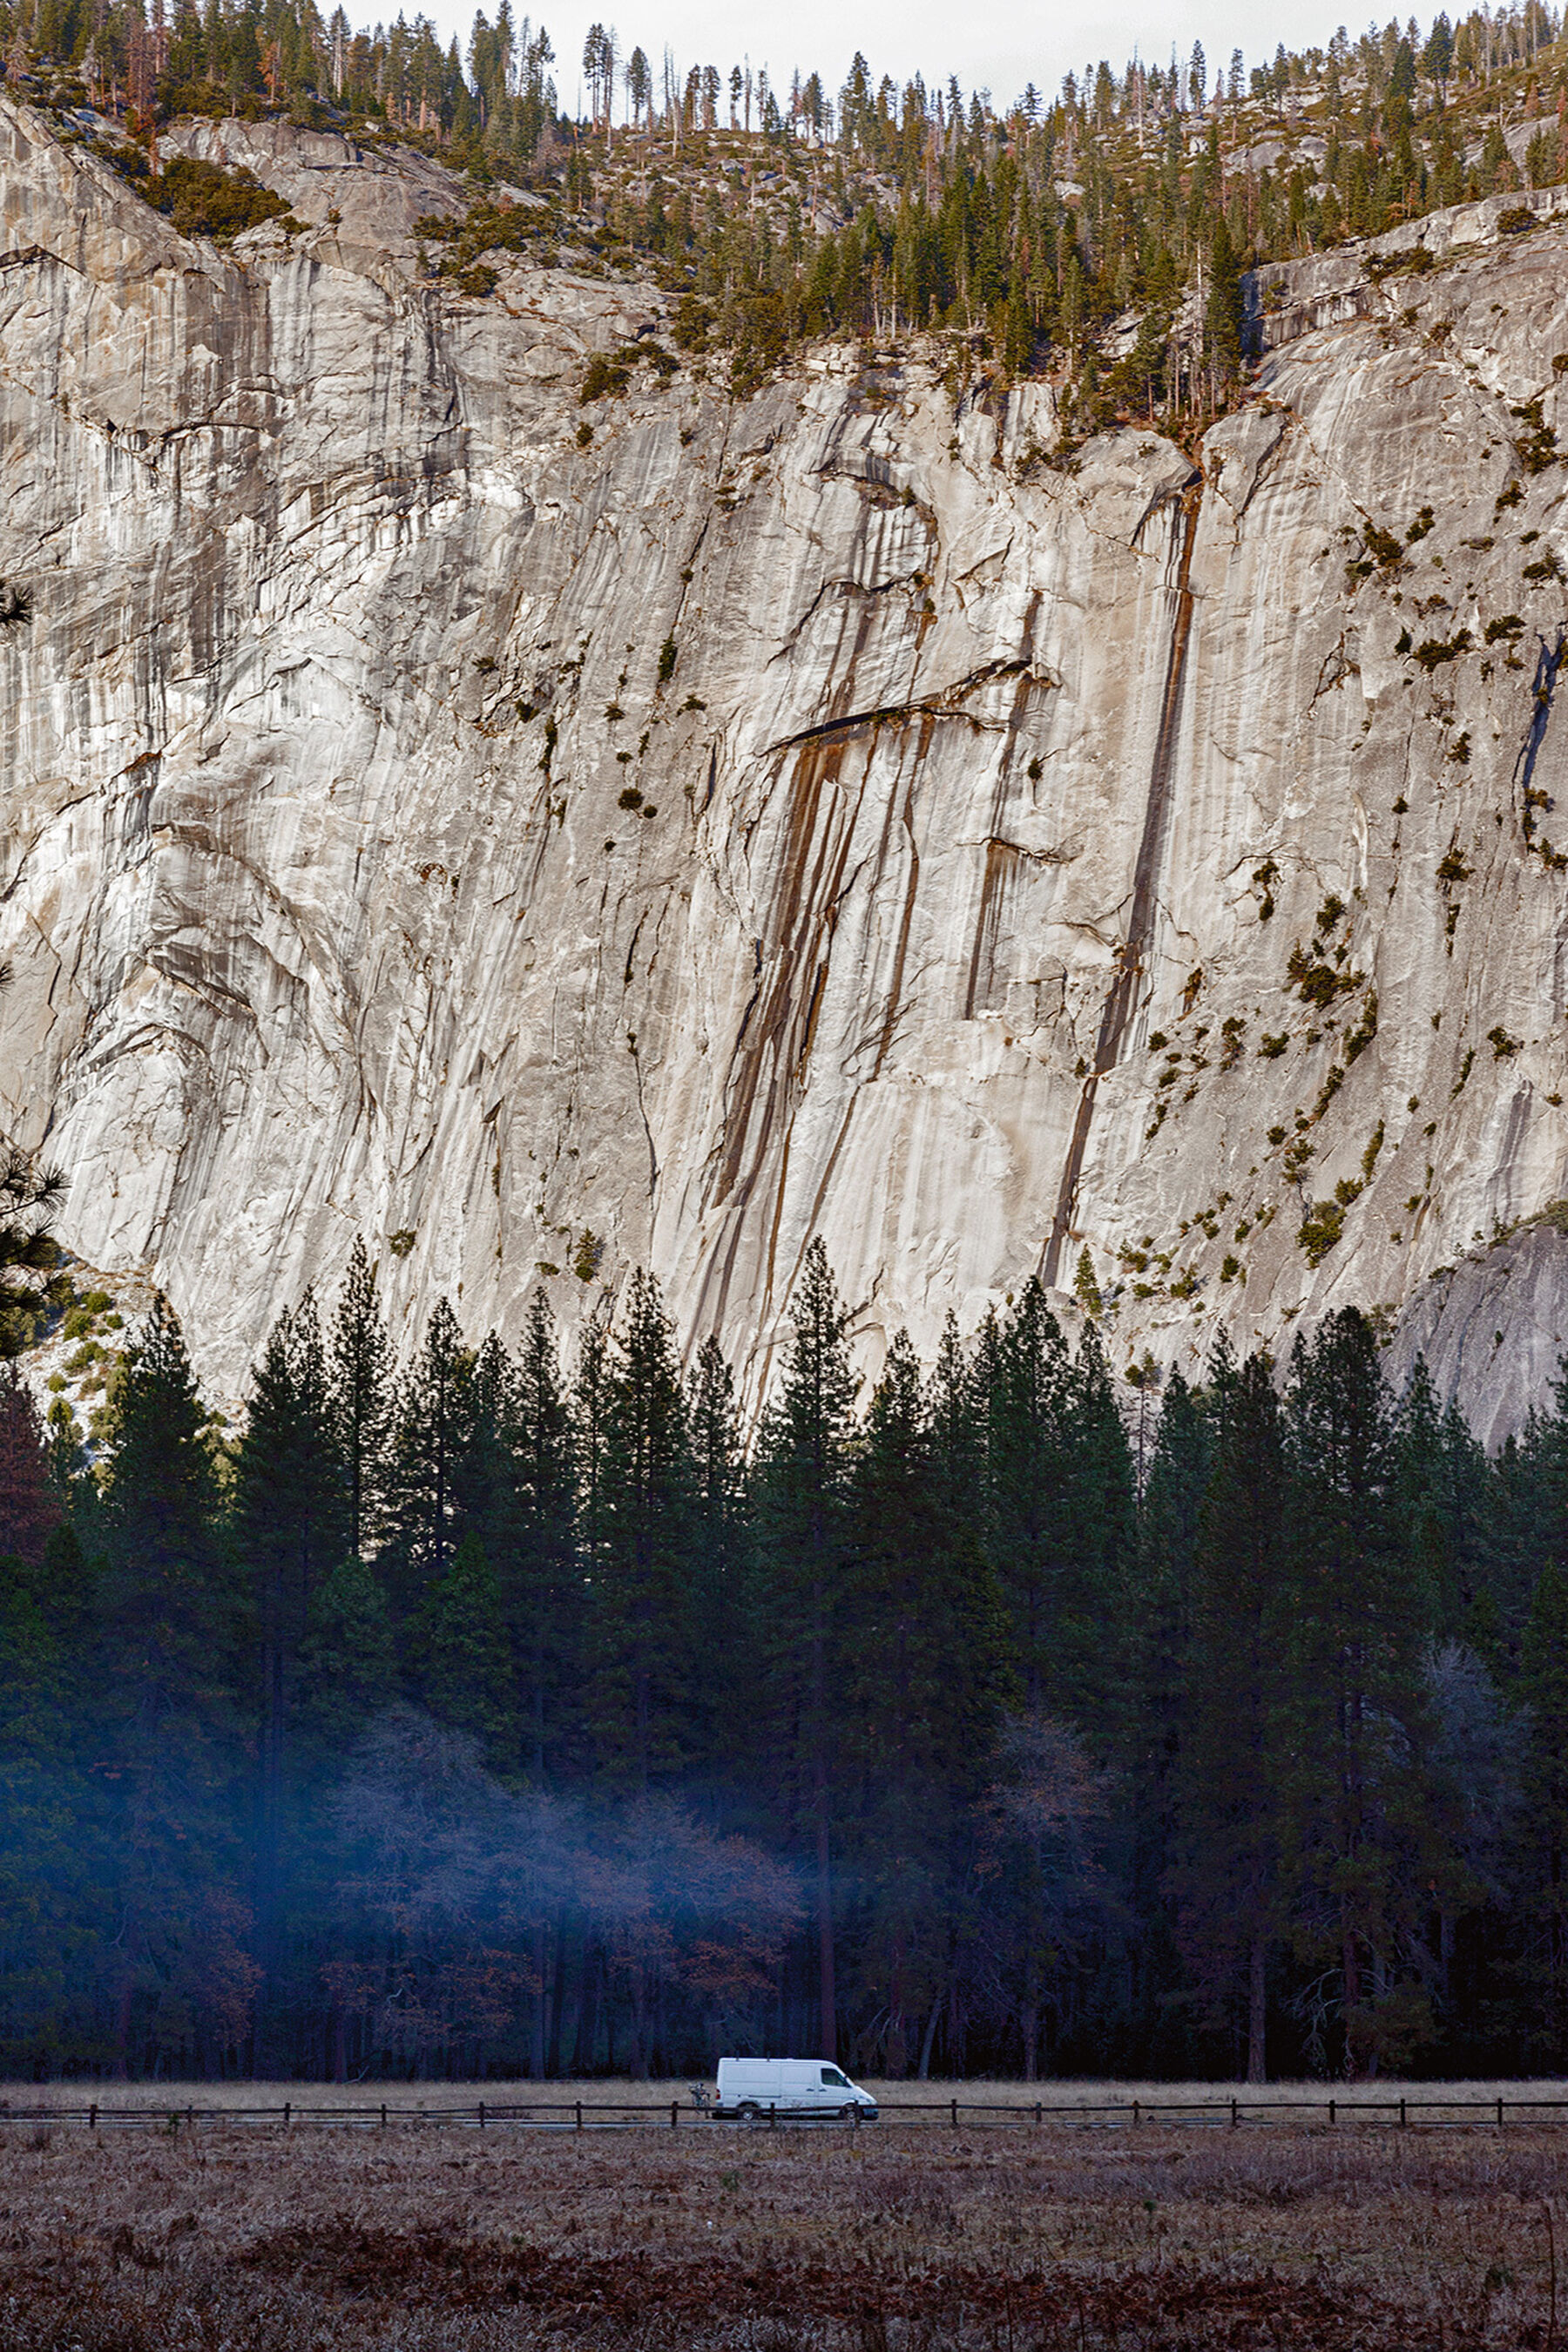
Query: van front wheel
point(846, 2114)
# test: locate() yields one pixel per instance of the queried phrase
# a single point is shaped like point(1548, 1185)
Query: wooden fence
point(1357, 2109)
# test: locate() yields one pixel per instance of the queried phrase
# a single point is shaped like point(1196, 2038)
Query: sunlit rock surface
point(792, 815)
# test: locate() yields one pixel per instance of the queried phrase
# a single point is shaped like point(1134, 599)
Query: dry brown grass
point(1149, 2241)
point(1297, 2096)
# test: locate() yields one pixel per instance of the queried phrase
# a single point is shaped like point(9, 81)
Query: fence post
point(383, 2114)
point(955, 2115)
point(1499, 2114)
point(579, 2114)
point(855, 2115)
point(674, 2115)
point(1235, 2118)
point(1403, 2117)
point(481, 2115)
point(288, 2113)
point(1332, 2114)
point(1137, 2113)
point(773, 2115)
point(92, 2115)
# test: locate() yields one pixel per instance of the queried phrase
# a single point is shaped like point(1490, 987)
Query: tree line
point(1103, 236)
point(494, 1720)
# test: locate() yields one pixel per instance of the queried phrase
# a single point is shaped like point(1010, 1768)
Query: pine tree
point(541, 1591)
point(924, 1680)
point(1061, 1508)
point(723, 1593)
point(1169, 1527)
point(1235, 1723)
point(432, 1438)
point(1225, 312)
point(644, 1660)
point(360, 1401)
point(807, 1452)
point(485, 1476)
point(289, 1521)
point(1089, 1679)
point(1441, 1499)
point(1364, 1853)
point(890, 1704)
point(172, 1627)
point(592, 1390)
point(1023, 1372)
point(173, 1616)
point(1160, 1630)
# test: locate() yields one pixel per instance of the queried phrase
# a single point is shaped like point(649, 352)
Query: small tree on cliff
point(1224, 310)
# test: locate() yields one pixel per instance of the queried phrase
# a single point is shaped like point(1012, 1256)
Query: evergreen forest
point(1009, 1714)
point(1115, 237)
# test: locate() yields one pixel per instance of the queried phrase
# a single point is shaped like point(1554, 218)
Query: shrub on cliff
point(203, 200)
point(1320, 1229)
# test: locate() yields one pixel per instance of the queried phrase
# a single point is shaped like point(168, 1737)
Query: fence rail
point(676, 2115)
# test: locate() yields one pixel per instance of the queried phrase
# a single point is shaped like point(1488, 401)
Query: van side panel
point(788, 2085)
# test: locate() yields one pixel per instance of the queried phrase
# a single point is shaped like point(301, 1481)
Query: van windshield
point(831, 2074)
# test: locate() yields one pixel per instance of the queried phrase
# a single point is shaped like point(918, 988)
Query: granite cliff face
point(828, 810)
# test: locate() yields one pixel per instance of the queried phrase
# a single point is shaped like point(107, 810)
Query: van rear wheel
point(749, 2112)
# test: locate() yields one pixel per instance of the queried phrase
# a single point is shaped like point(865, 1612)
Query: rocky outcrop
point(1493, 1328)
point(830, 810)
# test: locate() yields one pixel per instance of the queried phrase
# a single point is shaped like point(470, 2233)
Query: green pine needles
point(504, 1714)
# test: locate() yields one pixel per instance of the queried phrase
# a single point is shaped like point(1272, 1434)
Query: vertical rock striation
point(829, 811)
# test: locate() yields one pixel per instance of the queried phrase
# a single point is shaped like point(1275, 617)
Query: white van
point(752, 2088)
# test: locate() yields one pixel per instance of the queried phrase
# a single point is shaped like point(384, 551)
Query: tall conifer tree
point(644, 1662)
point(360, 1401)
point(723, 1594)
point(1440, 1496)
point(431, 1449)
point(1363, 1847)
point(173, 1626)
point(923, 1676)
point(807, 1450)
point(1025, 1372)
point(541, 1591)
point(291, 1525)
point(1235, 1723)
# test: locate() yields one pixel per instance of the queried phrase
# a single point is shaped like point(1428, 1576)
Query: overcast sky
point(990, 46)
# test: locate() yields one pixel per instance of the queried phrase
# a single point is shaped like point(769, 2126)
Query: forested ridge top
point(1103, 236)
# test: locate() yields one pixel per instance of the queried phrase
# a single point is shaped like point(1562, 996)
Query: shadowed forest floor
point(1155, 2241)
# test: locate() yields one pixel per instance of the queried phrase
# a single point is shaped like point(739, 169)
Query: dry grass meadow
point(897, 2239)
